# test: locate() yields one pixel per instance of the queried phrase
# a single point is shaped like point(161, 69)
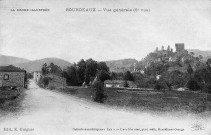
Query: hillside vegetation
point(122, 65)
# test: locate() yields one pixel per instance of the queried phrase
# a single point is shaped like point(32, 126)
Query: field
point(150, 100)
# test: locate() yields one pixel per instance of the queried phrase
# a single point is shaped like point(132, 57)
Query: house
point(11, 76)
point(37, 75)
point(113, 83)
point(118, 84)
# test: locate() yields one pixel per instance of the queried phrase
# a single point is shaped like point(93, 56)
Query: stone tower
point(180, 47)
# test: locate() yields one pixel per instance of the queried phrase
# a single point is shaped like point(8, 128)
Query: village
point(131, 67)
point(164, 82)
point(161, 73)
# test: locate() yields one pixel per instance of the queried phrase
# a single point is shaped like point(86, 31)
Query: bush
point(207, 88)
point(46, 81)
point(43, 82)
point(146, 82)
point(29, 76)
point(159, 85)
point(128, 76)
point(52, 87)
point(126, 84)
point(193, 84)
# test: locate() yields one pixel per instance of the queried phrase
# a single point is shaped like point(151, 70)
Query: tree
point(138, 76)
point(103, 75)
point(174, 78)
point(81, 68)
point(91, 70)
point(200, 57)
point(190, 70)
point(203, 75)
point(55, 69)
point(156, 68)
point(29, 76)
point(102, 66)
point(120, 76)
point(71, 75)
point(188, 61)
point(192, 54)
point(168, 48)
point(128, 76)
point(193, 84)
point(126, 84)
point(179, 61)
point(113, 75)
point(208, 62)
point(45, 69)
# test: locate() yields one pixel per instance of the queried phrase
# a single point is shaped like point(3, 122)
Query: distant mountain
point(10, 60)
point(36, 65)
point(197, 52)
point(121, 65)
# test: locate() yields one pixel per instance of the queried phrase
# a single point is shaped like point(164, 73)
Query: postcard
point(105, 67)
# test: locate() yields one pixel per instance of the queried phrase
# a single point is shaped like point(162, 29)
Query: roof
point(10, 68)
point(113, 81)
point(36, 71)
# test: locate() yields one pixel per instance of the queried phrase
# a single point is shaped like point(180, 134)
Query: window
point(6, 77)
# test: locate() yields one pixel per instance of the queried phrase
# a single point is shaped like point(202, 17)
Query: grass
point(10, 100)
point(151, 100)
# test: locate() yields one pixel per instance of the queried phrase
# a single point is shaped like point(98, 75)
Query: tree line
point(84, 72)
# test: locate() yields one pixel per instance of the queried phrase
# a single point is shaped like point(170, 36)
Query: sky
point(102, 35)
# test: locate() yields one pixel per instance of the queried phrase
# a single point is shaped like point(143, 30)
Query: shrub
point(146, 82)
point(193, 84)
point(207, 88)
point(159, 85)
point(46, 81)
point(126, 84)
point(128, 76)
point(52, 87)
point(43, 82)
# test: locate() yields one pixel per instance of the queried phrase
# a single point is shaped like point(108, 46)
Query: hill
point(121, 65)
point(10, 60)
point(197, 52)
point(36, 65)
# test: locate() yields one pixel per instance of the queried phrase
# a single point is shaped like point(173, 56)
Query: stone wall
point(15, 79)
point(180, 47)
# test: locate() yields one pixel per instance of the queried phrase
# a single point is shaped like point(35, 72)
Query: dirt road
point(51, 113)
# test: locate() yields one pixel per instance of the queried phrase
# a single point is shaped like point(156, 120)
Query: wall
point(15, 79)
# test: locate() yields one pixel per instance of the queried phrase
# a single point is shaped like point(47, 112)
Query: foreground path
point(51, 113)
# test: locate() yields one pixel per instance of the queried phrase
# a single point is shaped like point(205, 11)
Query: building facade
point(11, 76)
point(37, 75)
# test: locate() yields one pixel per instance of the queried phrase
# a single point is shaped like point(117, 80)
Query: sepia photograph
point(105, 67)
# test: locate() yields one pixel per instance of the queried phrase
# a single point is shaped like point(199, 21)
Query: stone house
point(11, 76)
